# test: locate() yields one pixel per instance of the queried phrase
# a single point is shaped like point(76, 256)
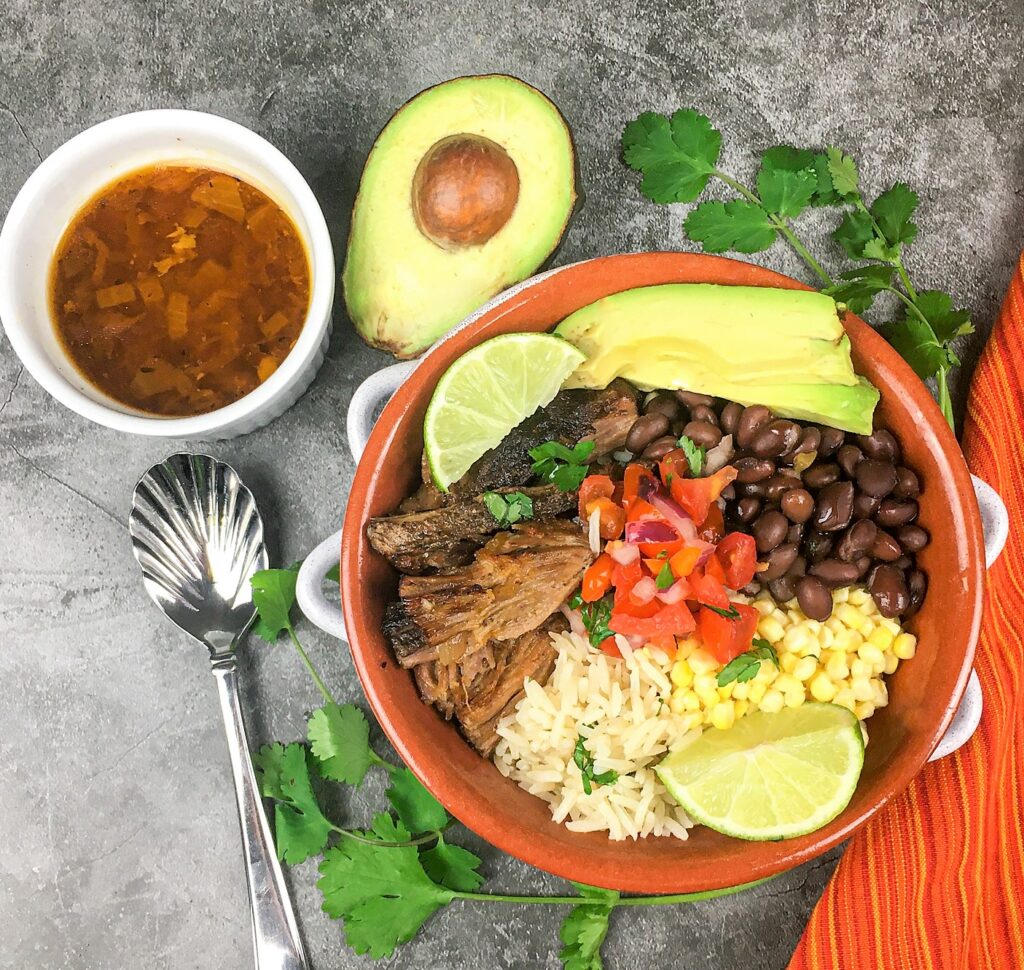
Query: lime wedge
point(770, 776)
point(486, 393)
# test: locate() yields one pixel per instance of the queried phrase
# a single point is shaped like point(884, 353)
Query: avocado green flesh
point(785, 349)
point(402, 290)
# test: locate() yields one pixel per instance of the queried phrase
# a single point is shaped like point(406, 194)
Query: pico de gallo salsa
point(667, 569)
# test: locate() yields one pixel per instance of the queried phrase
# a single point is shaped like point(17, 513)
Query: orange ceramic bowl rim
point(901, 736)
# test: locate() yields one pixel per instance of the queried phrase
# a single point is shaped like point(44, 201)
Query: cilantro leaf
point(665, 577)
point(854, 233)
point(584, 760)
point(694, 455)
point(418, 810)
point(507, 509)
point(860, 286)
point(892, 211)
point(824, 192)
point(382, 893)
point(340, 740)
point(784, 188)
point(596, 617)
point(566, 467)
point(842, 170)
point(947, 323)
point(452, 866)
point(737, 225)
point(273, 595)
point(300, 828)
point(676, 156)
point(746, 665)
point(916, 343)
point(584, 929)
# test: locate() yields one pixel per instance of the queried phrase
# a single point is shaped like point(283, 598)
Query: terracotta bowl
point(923, 693)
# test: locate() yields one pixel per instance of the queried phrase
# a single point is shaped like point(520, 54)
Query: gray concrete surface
point(120, 847)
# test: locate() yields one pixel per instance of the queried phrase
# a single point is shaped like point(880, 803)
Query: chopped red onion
point(623, 553)
point(645, 590)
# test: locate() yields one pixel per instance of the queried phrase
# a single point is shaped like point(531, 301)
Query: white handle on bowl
point(996, 526)
point(362, 413)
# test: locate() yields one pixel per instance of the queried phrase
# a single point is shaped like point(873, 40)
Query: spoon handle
point(275, 934)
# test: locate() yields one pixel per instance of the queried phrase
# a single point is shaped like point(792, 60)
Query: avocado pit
point(464, 190)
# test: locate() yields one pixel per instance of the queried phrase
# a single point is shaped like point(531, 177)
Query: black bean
point(730, 417)
point(885, 547)
point(753, 470)
point(659, 448)
point(809, 441)
point(663, 404)
point(747, 508)
point(904, 562)
point(703, 433)
point(814, 597)
point(894, 512)
point(783, 589)
point(798, 568)
point(795, 533)
point(831, 441)
point(834, 507)
point(797, 505)
point(856, 540)
point(704, 413)
point(875, 478)
point(865, 506)
point(863, 565)
point(848, 457)
point(917, 586)
point(888, 587)
point(834, 572)
point(778, 485)
point(751, 488)
point(817, 546)
point(729, 493)
point(818, 476)
point(912, 538)
point(691, 398)
point(750, 423)
point(769, 530)
point(778, 438)
point(779, 560)
point(907, 484)
point(880, 445)
point(645, 429)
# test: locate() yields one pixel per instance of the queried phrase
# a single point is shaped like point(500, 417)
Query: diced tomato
point(661, 549)
point(613, 518)
point(707, 590)
point(713, 527)
point(725, 638)
point(713, 568)
point(594, 487)
point(684, 561)
point(639, 510)
point(624, 578)
point(597, 580)
point(666, 644)
point(656, 565)
point(738, 555)
point(695, 495)
point(631, 482)
point(610, 647)
point(675, 620)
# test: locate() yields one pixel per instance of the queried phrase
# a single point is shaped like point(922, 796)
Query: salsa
point(177, 290)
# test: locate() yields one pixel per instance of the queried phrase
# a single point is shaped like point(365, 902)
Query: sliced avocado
point(755, 345)
point(467, 190)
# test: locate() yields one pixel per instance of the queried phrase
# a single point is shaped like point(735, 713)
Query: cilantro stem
point(781, 225)
point(356, 837)
point(897, 263)
point(945, 402)
point(313, 672)
point(610, 903)
point(910, 305)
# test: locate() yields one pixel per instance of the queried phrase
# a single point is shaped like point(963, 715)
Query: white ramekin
point(75, 172)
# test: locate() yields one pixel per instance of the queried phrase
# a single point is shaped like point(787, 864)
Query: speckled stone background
point(120, 847)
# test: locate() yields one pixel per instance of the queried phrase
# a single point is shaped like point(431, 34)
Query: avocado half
point(467, 190)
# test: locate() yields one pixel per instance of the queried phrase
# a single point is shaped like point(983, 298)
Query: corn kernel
point(822, 689)
point(867, 629)
point(844, 698)
point(741, 707)
point(685, 647)
point(763, 606)
point(891, 625)
point(870, 654)
point(723, 716)
point(682, 673)
point(862, 689)
point(858, 668)
point(677, 705)
point(905, 646)
point(788, 662)
point(772, 702)
point(704, 683)
point(741, 692)
point(779, 615)
point(771, 629)
point(834, 624)
point(805, 669)
point(692, 721)
point(794, 698)
point(786, 682)
point(851, 616)
point(864, 733)
point(864, 710)
point(836, 668)
point(691, 702)
point(858, 597)
point(825, 637)
point(847, 640)
point(708, 698)
point(725, 693)
point(881, 694)
point(796, 638)
point(891, 662)
point(701, 662)
point(767, 674)
point(757, 691)
point(841, 595)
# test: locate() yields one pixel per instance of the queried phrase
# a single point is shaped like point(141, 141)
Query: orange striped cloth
point(936, 881)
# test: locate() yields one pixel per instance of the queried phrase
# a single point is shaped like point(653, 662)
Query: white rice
point(621, 708)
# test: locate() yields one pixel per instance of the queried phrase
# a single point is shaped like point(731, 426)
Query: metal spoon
point(198, 536)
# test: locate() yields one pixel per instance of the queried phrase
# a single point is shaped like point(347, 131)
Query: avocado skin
point(402, 291)
point(786, 349)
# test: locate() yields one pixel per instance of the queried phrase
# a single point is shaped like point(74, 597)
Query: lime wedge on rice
point(486, 393)
point(770, 776)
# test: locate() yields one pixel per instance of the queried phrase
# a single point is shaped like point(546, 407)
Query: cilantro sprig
point(584, 760)
point(596, 617)
point(384, 880)
point(679, 155)
point(695, 455)
point(510, 508)
point(745, 667)
point(566, 467)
